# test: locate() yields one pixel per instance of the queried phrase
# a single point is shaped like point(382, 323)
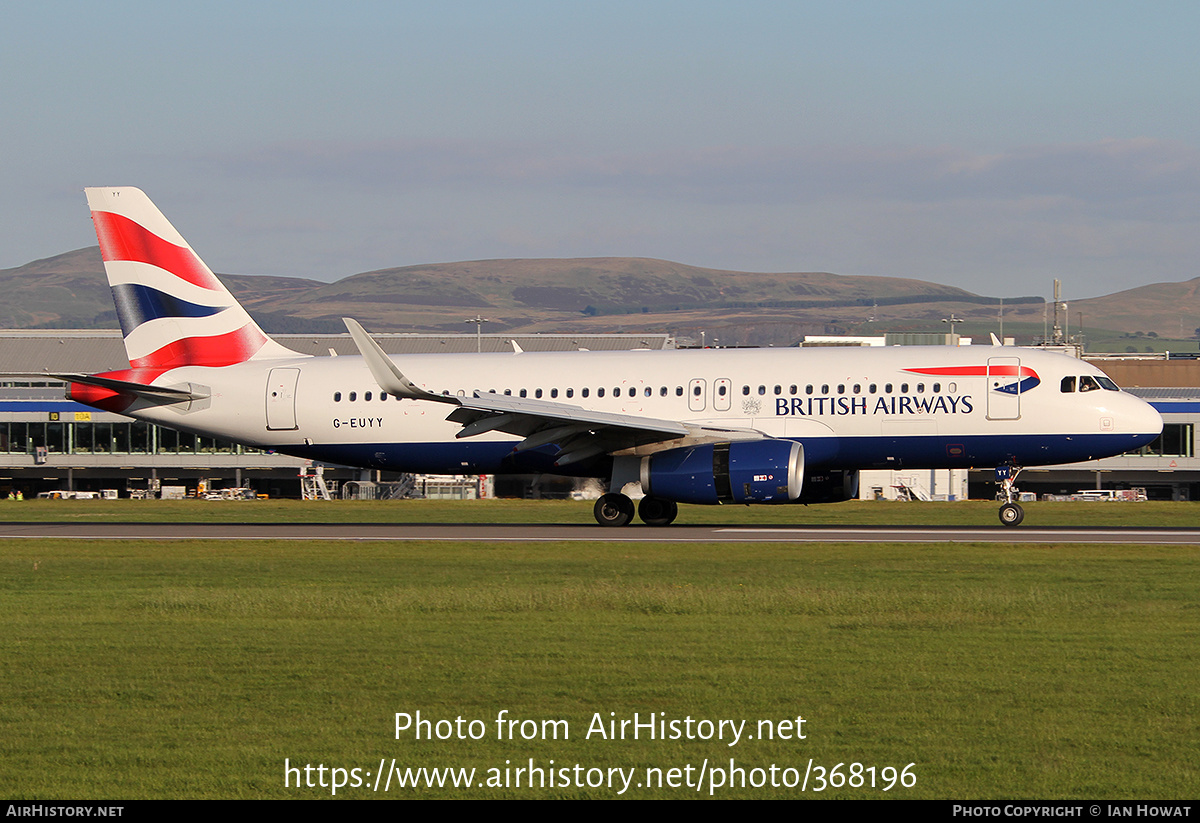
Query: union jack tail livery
point(172, 309)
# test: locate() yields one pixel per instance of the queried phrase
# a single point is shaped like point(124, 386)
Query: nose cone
point(1143, 421)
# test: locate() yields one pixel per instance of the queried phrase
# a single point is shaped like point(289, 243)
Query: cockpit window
point(1107, 384)
point(1068, 384)
point(1088, 383)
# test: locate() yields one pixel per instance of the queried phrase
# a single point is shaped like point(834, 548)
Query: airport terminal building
point(48, 443)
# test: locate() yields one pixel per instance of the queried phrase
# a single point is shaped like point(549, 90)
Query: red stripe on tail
point(122, 239)
point(219, 350)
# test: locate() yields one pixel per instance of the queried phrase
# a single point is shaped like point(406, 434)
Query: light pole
point(478, 320)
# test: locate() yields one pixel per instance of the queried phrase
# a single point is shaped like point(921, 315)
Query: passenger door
point(1003, 388)
point(281, 399)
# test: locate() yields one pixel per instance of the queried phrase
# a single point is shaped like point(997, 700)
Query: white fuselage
point(851, 408)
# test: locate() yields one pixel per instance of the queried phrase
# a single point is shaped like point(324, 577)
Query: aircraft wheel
point(614, 509)
point(1011, 514)
point(655, 511)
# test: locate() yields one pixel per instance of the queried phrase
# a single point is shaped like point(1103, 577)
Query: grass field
point(192, 669)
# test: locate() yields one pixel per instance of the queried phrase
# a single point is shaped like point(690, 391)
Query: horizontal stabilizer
point(158, 394)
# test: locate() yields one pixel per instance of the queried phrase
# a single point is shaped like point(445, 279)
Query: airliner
point(706, 426)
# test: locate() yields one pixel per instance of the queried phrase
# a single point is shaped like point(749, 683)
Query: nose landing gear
point(1011, 513)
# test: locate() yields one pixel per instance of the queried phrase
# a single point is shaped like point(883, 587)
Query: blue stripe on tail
point(137, 304)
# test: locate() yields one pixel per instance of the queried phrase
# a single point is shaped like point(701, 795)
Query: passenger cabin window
point(337, 397)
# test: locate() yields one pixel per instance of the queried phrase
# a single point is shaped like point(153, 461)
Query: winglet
point(389, 378)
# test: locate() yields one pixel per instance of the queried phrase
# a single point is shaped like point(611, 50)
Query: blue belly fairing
point(874, 452)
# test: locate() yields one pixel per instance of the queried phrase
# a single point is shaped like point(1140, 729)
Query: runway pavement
point(510, 533)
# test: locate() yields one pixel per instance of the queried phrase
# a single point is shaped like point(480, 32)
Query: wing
point(580, 433)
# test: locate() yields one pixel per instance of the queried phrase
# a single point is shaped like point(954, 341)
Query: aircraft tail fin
point(173, 310)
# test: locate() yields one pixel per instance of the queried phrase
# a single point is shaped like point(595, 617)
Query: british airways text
point(903, 404)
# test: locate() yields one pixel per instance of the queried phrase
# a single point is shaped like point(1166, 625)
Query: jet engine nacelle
point(754, 471)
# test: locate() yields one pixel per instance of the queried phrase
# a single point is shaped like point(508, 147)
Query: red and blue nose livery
point(1027, 378)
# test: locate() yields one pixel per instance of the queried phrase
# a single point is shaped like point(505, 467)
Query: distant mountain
point(66, 289)
point(70, 291)
point(1167, 309)
point(596, 295)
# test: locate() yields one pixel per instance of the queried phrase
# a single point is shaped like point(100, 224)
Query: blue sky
point(991, 146)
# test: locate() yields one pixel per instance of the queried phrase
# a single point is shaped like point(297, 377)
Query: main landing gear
point(615, 509)
point(655, 511)
point(1011, 513)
